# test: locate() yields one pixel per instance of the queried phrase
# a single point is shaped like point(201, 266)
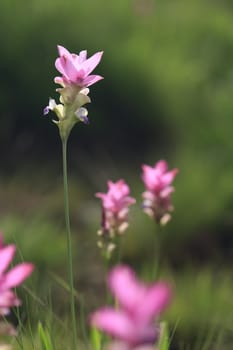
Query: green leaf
point(45, 339)
point(164, 337)
point(96, 339)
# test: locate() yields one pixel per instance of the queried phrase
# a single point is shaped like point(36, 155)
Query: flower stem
point(157, 252)
point(69, 244)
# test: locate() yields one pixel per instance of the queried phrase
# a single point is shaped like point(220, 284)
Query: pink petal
point(128, 291)
point(157, 298)
point(60, 80)
point(69, 69)
point(161, 166)
point(91, 79)
point(148, 195)
point(78, 59)
point(107, 202)
point(59, 66)
point(119, 345)
point(165, 193)
point(121, 326)
point(17, 275)
point(8, 299)
point(129, 200)
point(169, 177)
point(63, 51)
point(150, 177)
point(100, 195)
point(116, 198)
point(90, 64)
point(119, 190)
point(146, 168)
point(82, 56)
point(115, 323)
point(6, 255)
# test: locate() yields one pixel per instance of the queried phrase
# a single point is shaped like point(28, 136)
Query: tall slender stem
point(157, 252)
point(69, 244)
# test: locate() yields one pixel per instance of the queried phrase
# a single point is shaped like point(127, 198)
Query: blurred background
point(167, 94)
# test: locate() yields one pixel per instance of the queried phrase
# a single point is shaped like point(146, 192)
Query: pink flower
point(139, 305)
point(10, 279)
point(157, 180)
point(120, 345)
point(76, 69)
point(115, 206)
point(75, 79)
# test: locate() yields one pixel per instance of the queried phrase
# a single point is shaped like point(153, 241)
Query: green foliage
point(44, 336)
point(164, 337)
point(96, 338)
point(202, 308)
point(38, 241)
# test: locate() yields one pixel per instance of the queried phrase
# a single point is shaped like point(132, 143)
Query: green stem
point(157, 252)
point(119, 249)
point(69, 244)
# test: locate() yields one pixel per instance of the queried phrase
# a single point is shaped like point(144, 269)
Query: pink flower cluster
point(116, 202)
point(156, 198)
point(10, 279)
point(115, 207)
point(132, 323)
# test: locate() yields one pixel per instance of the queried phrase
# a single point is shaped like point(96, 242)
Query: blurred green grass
point(202, 305)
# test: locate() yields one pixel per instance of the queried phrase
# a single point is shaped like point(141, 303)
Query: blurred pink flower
point(157, 180)
point(76, 69)
point(132, 324)
point(12, 278)
point(115, 206)
point(120, 345)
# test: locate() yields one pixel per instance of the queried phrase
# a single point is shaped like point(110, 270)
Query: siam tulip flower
point(115, 208)
point(10, 279)
point(132, 323)
point(74, 82)
point(76, 69)
point(75, 79)
point(156, 198)
point(119, 345)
